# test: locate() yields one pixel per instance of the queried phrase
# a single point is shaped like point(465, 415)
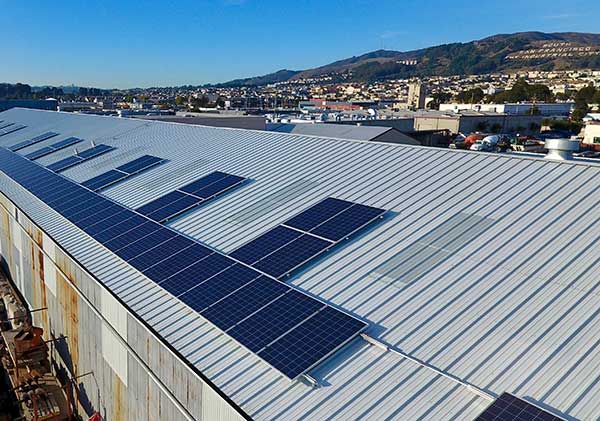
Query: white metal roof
point(486, 270)
point(340, 131)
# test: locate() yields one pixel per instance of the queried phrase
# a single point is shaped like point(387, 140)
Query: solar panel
point(32, 141)
point(510, 408)
point(249, 299)
point(219, 286)
point(317, 214)
point(347, 222)
point(11, 129)
point(140, 164)
point(122, 172)
point(65, 163)
point(82, 156)
point(174, 208)
point(5, 125)
point(292, 255)
point(159, 271)
point(311, 341)
point(177, 202)
point(274, 320)
point(195, 274)
point(203, 182)
point(47, 150)
point(231, 295)
point(265, 244)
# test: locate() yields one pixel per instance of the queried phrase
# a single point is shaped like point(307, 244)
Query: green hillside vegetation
point(476, 57)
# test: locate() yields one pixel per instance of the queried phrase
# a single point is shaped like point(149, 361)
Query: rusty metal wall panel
point(51, 276)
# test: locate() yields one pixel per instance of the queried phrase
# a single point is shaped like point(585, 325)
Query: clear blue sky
point(142, 43)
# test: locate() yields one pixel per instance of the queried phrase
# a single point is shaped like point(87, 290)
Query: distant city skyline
point(124, 45)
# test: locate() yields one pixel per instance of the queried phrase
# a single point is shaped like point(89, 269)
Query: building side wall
point(125, 372)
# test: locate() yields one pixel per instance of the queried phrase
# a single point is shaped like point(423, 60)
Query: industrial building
point(555, 109)
point(357, 131)
point(430, 283)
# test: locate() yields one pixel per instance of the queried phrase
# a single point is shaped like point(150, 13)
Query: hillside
point(503, 52)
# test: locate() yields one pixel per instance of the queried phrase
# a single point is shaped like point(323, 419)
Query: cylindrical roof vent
point(561, 149)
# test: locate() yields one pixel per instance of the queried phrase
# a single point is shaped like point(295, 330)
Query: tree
point(179, 100)
point(438, 98)
point(580, 110)
point(586, 94)
point(523, 91)
point(470, 96)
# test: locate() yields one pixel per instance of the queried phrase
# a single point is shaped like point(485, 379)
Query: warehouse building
point(205, 273)
point(342, 131)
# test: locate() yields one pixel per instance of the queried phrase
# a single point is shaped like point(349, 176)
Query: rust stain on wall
point(69, 301)
point(43, 300)
point(118, 392)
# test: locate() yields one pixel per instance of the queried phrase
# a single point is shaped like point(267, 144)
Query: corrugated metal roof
point(486, 268)
point(340, 131)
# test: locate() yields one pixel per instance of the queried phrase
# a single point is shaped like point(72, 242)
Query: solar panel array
point(4, 125)
point(47, 150)
point(32, 141)
point(122, 172)
point(189, 196)
point(10, 128)
point(286, 247)
point(80, 157)
point(286, 328)
point(510, 408)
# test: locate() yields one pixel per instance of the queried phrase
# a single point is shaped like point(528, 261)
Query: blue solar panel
point(32, 141)
point(92, 210)
point(162, 201)
point(265, 244)
point(95, 151)
point(121, 173)
point(4, 125)
point(274, 320)
point(317, 214)
point(82, 156)
point(102, 224)
point(195, 274)
point(176, 263)
point(65, 163)
point(121, 228)
point(160, 253)
point(103, 180)
point(140, 164)
point(219, 286)
point(179, 201)
point(231, 295)
point(311, 341)
point(346, 222)
point(120, 239)
point(244, 302)
point(11, 129)
point(289, 257)
point(105, 213)
point(174, 209)
point(219, 186)
point(135, 248)
point(47, 150)
point(69, 141)
point(511, 408)
point(39, 153)
point(203, 182)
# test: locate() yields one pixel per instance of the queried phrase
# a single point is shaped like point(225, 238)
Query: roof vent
point(561, 149)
